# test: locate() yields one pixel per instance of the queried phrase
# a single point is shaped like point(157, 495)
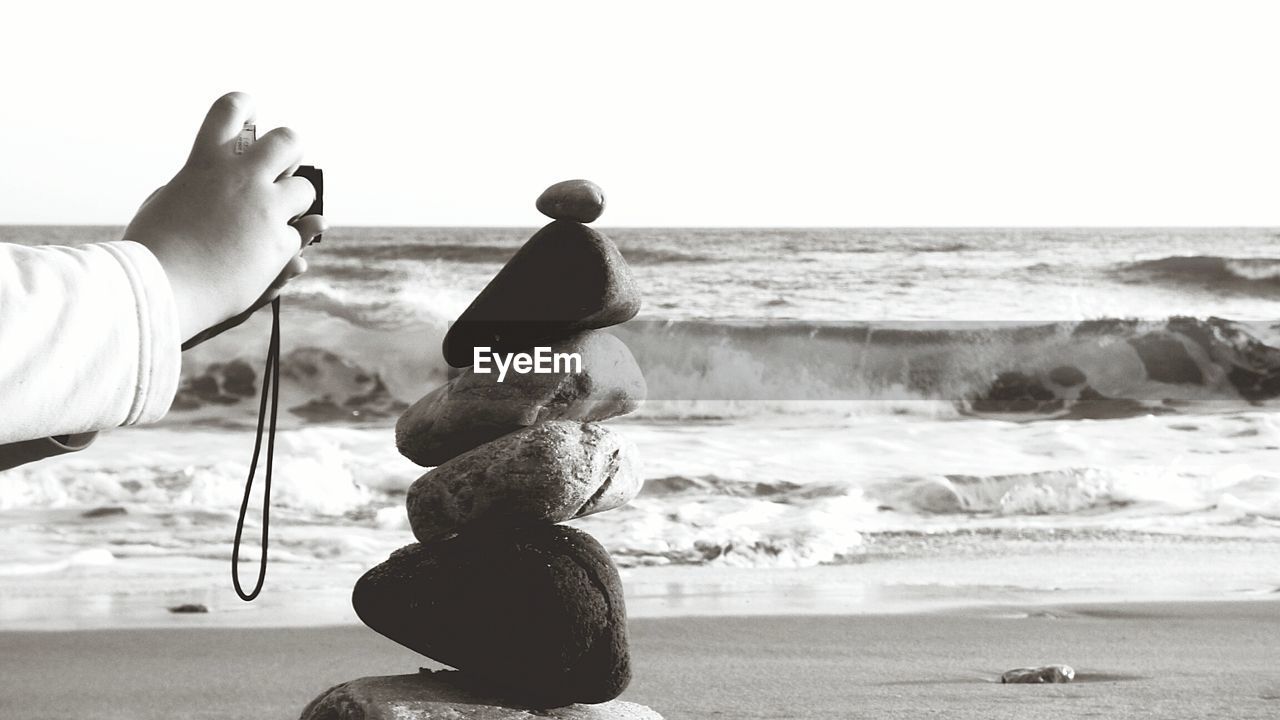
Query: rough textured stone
point(474, 408)
point(567, 278)
point(577, 200)
point(550, 472)
point(428, 695)
point(1046, 674)
point(535, 613)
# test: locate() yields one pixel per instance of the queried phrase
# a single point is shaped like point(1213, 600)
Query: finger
point(297, 265)
point(287, 173)
point(224, 121)
point(297, 193)
point(277, 151)
point(309, 226)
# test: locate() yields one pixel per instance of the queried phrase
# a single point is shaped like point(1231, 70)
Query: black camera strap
point(270, 384)
point(270, 387)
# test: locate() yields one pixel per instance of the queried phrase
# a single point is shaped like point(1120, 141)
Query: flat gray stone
point(429, 695)
point(551, 472)
point(474, 408)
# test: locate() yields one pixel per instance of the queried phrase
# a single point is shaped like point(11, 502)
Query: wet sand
point(1134, 660)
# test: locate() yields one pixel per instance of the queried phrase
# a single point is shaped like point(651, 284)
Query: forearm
point(89, 339)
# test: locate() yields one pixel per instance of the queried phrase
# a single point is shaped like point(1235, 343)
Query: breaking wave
point(1253, 276)
point(336, 372)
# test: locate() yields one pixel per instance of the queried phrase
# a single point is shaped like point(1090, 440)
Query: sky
point(692, 113)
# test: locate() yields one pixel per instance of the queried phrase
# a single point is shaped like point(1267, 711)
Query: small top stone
point(574, 200)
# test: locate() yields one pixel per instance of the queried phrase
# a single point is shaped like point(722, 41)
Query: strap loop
point(270, 383)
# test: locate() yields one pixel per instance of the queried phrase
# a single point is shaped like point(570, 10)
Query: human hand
point(221, 228)
point(297, 265)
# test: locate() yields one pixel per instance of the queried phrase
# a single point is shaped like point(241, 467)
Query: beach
point(881, 467)
point(698, 361)
point(1133, 660)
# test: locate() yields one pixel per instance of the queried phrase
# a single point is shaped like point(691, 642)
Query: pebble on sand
point(534, 613)
point(576, 200)
point(474, 408)
point(551, 472)
point(1040, 675)
point(447, 694)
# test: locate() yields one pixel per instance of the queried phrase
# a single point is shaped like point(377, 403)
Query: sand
point(1134, 660)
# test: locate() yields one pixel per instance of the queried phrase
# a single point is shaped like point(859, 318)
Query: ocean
point(901, 412)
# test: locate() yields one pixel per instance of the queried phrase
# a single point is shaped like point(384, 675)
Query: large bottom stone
point(428, 695)
point(536, 612)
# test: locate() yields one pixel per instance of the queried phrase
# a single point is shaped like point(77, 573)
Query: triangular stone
point(567, 278)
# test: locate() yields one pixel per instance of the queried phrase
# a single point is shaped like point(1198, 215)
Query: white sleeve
point(89, 339)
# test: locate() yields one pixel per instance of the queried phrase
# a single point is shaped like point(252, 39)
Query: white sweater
point(89, 340)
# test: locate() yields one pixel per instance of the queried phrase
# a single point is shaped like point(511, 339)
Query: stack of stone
point(526, 609)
